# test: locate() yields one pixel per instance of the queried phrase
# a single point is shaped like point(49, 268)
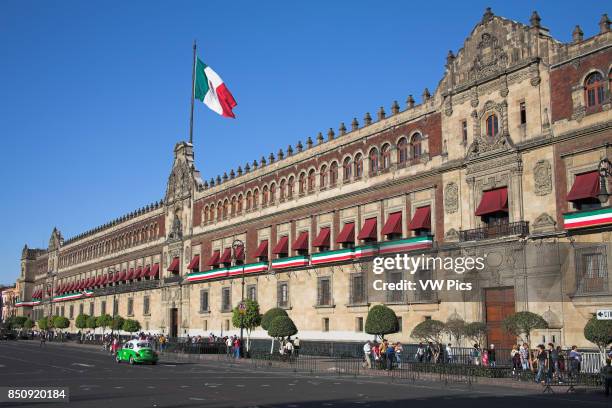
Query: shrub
point(381, 320)
point(81, 321)
point(92, 323)
point(131, 326)
point(61, 322)
point(42, 323)
point(599, 332)
point(28, 324)
point(117, 323)
point(477, 332)
point(523, 323)
point(104, 321)
point(456, 329)
point(249, 320)
point(282, 326)
point(270, 315)
point(429, 331)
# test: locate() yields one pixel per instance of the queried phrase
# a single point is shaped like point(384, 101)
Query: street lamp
point(235, 245)
point(605, 170)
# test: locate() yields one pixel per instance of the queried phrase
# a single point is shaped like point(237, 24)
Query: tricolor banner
point(205, 275)
point(589, 218)
point(248, 268)
point(339, 255)
point(402, 245)
point(210, 89)
point(293, 262)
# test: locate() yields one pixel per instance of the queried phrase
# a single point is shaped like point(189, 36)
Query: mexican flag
point(210, 89)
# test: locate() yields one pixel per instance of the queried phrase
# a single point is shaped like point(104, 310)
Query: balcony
point(173, 279)
point(519, 228)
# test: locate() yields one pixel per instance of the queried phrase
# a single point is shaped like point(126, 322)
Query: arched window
point(264, 196)
point(311, 180)
point(333, 174)
point(492, 125)
point(385, 156)
point(219, 211)
point(594, 89)
point(239, 204)
point(402, 151)
point(249, 201)
point(373, 161)
point(290, 186)
point(346, 170)
point(211, 216)
point(272, 192)
point(282, 190)
point(323, 177)
point(233, 207)
point(358, 166)
point(302, 183)
point(225, 209)
point(255, 198)
point(205, 215)
point(416, 149)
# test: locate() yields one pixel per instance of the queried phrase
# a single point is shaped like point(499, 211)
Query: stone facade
point(510, 114)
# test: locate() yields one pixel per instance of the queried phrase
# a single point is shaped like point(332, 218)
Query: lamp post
point(235, 245)
point(605, 170)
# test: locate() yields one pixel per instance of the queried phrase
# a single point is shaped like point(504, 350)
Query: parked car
point(136, 351)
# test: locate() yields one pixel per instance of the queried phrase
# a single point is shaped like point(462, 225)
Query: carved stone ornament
point(55, 240)
point(451, 235)
point(544, 222)
point(542, 178)
point(483, 143)
point(451, 198)
point(490, 58)
point(176, 231)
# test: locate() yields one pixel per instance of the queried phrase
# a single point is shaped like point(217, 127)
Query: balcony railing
point(520, 228)
point(173, 279)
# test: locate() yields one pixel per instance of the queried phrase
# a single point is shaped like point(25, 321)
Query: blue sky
point(96, 94)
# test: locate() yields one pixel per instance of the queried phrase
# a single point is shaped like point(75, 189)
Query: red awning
point(195, 263)
point(421, 219)
point(393, 224)
point(103, 282)
point(82, 284)
point(347, 234)
point(586, 185)
point(282, 246)
point(301, 243)
point(214, 259)
point(239, 252)
point(368, 231)
point(122, 275)
point(154, 271)
point(146, 271)
point(493, 201)
point(174, 265)
point(227, 256)
point(130, 274)
point(98, 280)
point(138, 273)
point(262, 250)
point(322, 240)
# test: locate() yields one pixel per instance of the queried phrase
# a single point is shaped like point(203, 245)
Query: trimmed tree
point(268, 317)
point(42, 323)
point(250, 319)
point(430, 331)
point(522, 323)
point(381, 320)
point(104, 321)
point(61, 322)
point(28, 324)
point(599, 332)
point(81, 321)
point(131, 326)
point(281, 326)
point(455, 329)
point(92, 323)
point(117, 323)
point(477, 332)
point(16, 322)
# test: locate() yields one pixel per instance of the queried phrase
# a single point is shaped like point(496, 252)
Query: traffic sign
point(604, 314)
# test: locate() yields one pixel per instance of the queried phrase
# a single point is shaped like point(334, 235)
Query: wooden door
point(499, 303)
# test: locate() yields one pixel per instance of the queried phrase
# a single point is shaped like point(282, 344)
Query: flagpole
point(193, 70)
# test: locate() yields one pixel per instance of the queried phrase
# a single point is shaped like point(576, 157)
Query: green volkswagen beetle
point(136, 351)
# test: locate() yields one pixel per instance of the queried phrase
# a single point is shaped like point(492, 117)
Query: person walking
point(398, 354)
point(606, 373)
point(367, 351)
point(515, 356)
point(420, 353)
point(43, 338)
point(449, 353)
point(541, 360)
point(475, 354)
point(296, 346)
point(524, 352)
point(492, 358)
point(575, 360)
point(390, 356)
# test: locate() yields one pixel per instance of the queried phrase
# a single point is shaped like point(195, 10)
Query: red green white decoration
point(588, 218)
point(205, 275)
point(402, 245)
point(332, 256)
point(293, 262)
point(248, 268)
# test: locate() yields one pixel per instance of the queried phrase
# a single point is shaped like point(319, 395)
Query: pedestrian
point(485, 358)
point(228, 344)
point(237, 348)
point(376, 355)
point(398, 354)
point(429, 352)
point(475, 354)
point(289, 348)
point(383, 354)
point(449, 353)
point(524, 352)
point(367, 350)
point(541, 360)
point(515, 356)
point(43, 338)
point(390, 356)
point(606, 373)
point(296, 346)
point(575, 361)
point(420, 353)
point(491, 353)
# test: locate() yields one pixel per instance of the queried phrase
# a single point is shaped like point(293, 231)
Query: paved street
point(95, 380)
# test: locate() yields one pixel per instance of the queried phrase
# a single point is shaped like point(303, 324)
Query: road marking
point(169, 365)
point(118, 388)
point(239, 385)
point(184, 386)
point(196, 399)
point(83, 365)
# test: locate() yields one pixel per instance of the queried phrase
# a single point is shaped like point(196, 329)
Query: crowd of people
point(383, 355)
